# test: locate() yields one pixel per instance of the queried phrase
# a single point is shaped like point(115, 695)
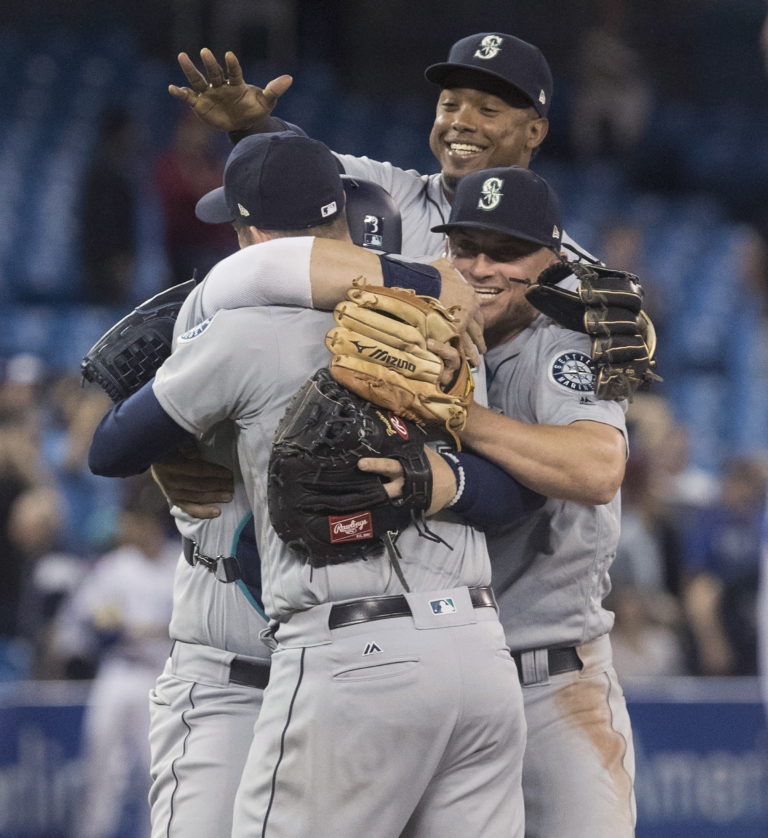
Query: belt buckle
point(205, 561)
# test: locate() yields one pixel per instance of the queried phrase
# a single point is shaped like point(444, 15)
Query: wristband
point(477, 480)
point(423, 279)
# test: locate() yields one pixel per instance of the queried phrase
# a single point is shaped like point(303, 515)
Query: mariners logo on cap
point(490, 193)
point(574, 371)
point(489, 47)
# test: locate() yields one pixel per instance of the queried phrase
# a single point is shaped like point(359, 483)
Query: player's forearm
point(581, 462)
point(306, 272)
point(477, 479)
point(334, 265)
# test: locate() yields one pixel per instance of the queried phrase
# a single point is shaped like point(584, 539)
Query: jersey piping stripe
point(249, 596)
point(491, 374)
point(623, 739)
point(238, 532)
point(282, 743)
point(233, 551)
point(179, 757)
point(434, 202)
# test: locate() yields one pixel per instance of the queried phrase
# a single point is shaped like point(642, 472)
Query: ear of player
point(379, 349)
point(607, 306)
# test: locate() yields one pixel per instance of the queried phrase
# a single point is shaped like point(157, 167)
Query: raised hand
point(221, 97)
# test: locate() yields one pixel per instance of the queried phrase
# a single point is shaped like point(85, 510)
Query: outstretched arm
point(221, 97)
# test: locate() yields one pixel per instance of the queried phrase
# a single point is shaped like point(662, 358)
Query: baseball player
point(495, 96)
point(561, 441)
point(550, 570)
point(314, 634)
point(465, 138)
point(568, 445)
point(498, 116)
point(211, 688)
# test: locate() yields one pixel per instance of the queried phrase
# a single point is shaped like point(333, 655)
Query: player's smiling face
point(477, 130)
point(500, 269)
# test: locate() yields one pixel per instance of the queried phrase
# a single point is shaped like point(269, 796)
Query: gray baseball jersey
point(206, 610)
point(550, 574)
point(383, 678)
point(544, 376)
point(253, 387)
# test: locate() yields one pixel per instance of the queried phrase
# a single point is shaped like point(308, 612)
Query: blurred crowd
point(88, 561)
point(685, 577)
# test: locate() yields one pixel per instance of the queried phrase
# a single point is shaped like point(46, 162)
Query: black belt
point(249, 673)
point(563, 659)
point(226, 568)
point(382, 607)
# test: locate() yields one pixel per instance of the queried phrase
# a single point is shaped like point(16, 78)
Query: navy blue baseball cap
point(502, 58)
point(509, 200)
point(279, 181)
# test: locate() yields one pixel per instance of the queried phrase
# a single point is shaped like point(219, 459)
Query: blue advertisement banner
point(702, 759)
point(701, 747)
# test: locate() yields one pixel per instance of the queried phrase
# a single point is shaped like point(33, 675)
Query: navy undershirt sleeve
point(487, 495)
point(134, 434)
point(423, 279)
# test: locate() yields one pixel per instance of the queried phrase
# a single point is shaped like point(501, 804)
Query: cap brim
point(212, 208)
point(478, 225)
point(438, 73)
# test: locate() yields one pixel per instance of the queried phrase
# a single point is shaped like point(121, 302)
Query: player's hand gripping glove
point(128, 354)
point(607, 306)
point(380, 352)
point(320, 503)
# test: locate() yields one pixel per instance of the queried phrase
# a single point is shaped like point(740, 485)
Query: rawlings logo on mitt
point(320, 503)
point(380, 352)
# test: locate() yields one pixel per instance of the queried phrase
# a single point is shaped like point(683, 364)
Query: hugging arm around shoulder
point(306, 272)
point(134, 434)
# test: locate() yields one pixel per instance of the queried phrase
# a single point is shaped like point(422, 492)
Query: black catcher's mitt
point(127, 355)
point(608, 307)
point(320, 503)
